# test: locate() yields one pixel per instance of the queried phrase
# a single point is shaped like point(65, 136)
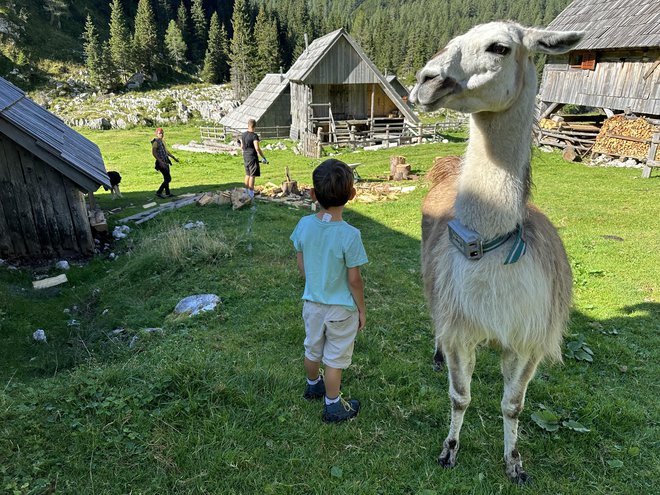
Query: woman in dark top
point(251, 151)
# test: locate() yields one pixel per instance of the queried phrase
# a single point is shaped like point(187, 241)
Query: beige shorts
point(330, 332)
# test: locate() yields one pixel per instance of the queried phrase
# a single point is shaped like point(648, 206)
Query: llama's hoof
point(447, 458)
point(518, 475)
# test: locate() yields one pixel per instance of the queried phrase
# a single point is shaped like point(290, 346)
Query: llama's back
point(437, 210)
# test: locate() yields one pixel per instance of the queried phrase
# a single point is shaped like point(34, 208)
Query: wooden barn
point(335, 87)
point(269, 104)
point(616, 67)
point(45, 167)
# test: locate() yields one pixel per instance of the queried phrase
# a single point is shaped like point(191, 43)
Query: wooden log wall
point(42, 213)
point(621, 79)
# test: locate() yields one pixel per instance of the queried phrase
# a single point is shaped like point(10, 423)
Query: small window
point(582, 60)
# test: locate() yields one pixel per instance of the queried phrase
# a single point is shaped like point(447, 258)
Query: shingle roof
point(612, 23)
point(45, 135)
point(259, 101)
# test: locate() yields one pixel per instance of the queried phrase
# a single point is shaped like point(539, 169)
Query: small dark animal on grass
point(115, 179)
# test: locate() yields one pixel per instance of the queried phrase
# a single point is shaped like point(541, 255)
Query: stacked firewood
point(549, 124)
point(626, 137)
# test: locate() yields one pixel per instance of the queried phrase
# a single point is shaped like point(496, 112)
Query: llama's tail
point(444, 168)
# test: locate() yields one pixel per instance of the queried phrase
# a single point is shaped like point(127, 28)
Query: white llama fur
point(523, 307)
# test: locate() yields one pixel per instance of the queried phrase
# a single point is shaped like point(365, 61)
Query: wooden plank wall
point(299, 118)
point(42, 213)
point(342, 65)
point(618, 82)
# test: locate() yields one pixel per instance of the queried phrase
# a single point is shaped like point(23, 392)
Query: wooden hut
point(336, 88)
point(269, 104)
point(45, 167)
point(615, 67)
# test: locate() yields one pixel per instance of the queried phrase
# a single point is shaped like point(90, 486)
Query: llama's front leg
point(460, 365)
point(517, 372)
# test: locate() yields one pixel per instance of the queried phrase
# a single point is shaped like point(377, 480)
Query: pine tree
point(268, 52)
point(175, 44)
point(199, 29)
point(215, 60)
point(183, 21)
point(92, 50)
point(108, 77)
point(145, 39)
point(120, 46)
point(242, 53)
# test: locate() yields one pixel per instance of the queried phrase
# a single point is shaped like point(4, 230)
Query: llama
point(517, 293)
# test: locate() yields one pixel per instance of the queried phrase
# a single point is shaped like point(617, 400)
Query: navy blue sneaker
point(341, 410)
point(315, 391)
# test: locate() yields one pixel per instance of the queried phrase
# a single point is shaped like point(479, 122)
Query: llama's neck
point(494, 182)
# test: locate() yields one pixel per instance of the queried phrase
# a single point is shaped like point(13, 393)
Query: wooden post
point(421, 131)
point(650, 160)
point(92, 201)
point(371, 118)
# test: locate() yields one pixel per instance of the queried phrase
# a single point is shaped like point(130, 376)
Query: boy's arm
point(356, 286)
point(301, 263)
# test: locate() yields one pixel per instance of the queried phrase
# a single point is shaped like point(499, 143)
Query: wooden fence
point(222, 133)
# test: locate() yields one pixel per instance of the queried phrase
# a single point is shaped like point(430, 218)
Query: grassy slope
point(213, 405)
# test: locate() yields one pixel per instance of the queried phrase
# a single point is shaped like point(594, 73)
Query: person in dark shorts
point(251, 151)
point(163, 163)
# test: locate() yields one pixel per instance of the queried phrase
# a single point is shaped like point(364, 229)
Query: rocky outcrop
point(177, 105)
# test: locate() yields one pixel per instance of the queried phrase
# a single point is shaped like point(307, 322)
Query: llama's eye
point(498, 49)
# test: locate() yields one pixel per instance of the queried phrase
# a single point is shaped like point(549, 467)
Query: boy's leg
point(332, 382)
point(312, 369)
point(314, 339)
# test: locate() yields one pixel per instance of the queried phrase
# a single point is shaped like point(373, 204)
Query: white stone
point(62, 265)
point(196, 304)
point(39, 335)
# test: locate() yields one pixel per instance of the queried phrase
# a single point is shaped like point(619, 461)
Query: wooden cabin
point(616, 67)
point(336, 88)
point(332, 91)
point(45, 168)
point(269, 104)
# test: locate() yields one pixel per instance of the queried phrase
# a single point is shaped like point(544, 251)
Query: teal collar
point(517, 250)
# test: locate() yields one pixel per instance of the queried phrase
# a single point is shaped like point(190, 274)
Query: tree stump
point(394, 162)
point(402, 172)
point(569, 153)
point(289, 186)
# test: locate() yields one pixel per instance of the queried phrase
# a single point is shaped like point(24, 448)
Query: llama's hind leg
point(460, 365)
point(517, 372)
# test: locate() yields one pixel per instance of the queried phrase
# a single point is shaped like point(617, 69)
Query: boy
point(251, 150)
point(329, 255)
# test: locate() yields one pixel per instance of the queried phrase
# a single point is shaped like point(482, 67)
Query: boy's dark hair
point(333, 183)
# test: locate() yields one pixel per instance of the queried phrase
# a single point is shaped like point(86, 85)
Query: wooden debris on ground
point(97, 220)
point(239, 197)
point(49, 282)
point(376, 191)
point(626, 137)
point(183, 200)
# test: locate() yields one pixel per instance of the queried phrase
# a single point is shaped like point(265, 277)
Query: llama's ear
point(538, 40)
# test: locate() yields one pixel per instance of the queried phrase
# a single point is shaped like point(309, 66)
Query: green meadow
point(213, 403)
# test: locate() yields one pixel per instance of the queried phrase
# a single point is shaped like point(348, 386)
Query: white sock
point(314, 382)
point(331, 401)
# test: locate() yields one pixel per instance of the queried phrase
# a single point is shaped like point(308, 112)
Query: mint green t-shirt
point(329, 249)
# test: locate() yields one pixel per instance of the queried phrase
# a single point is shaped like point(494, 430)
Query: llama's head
point(485, 69)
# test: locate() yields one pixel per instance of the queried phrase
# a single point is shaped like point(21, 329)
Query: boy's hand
point(363, 319)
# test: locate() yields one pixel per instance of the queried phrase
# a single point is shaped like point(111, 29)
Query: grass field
point(213, 403)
